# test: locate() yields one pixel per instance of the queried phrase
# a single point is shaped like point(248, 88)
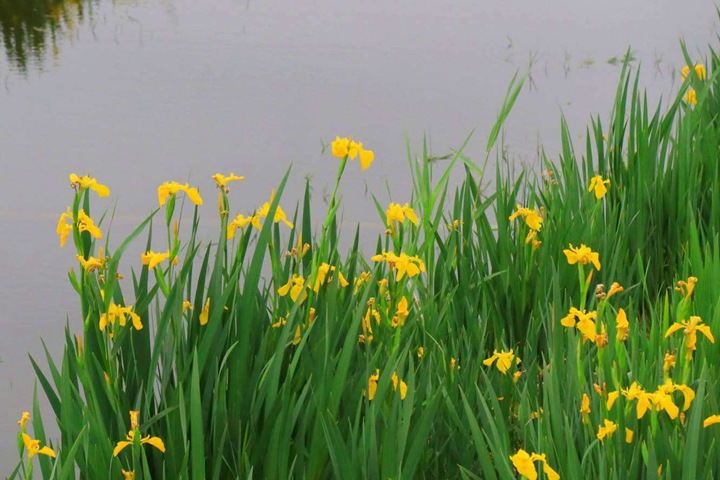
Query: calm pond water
point(139, 92)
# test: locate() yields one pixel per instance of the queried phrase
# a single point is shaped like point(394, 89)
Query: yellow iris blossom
point(263, 211)
point(629, 434)
point(504, 360)
point(128, 475)
point(711, 420)
point(33, 447)
point(221, 180)
point(401, 313)
point(345, 147)
point(135, 430)
point(372, 384)
point(91, 183)
point(598, 184)
point(668, 363)
point(585, 407)
point(92, 263)
point(699, 70)
point(152, 259)
point(690, 329)
point(524, 463)
point(367, 335)
point(531, 216)
point(397, 213)
point(86, 224)
point(605, 431)
point(614, 288)
point(636, 392)
point(622, 326)
point(403, 264)
point(154, 441)
point(691, 96)
point(23, 420)
point(64, 229)
point(239, 222)
point(205, 314)
point(686, 288)
point(403, 386)
point(295, 286)
point(322, 276)
point(169, 189)
point(583, 255)
point(119, 314)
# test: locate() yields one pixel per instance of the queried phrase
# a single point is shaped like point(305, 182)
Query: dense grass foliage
point(484, 339)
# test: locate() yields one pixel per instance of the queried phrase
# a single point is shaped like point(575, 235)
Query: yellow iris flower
point(33, 447)
point(153, 259)
point(135, 430)
point(598, 184)
point(91, 183)
point(86, 224)
point(532, 217)
point(699, 70)
point(668, 363)
point(690, 329)
point(504, 360)
point(265, 209)
point(585, 407)
point(119, 314)
point(605, 431)
point(23, 420)
point(711, 420)
point(92, 263)
point(295, 286)
point(401, 313)
point(205, 314)
point(344, 147)
point(372, 384)
point(403, 386)
point(397, 213)
point(322, 276)
point(583, 255)
point(222, 180)
point(686, 288)
point(154, 441)
point(623, 326)
point(524, 463)
point(403, 264)
point(169, 189)
point(64, 229)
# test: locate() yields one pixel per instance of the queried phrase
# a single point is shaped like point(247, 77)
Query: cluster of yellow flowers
point(374, 378)
point(533, 220)
point(32, 445)
point(701, 73)
point(241, 221)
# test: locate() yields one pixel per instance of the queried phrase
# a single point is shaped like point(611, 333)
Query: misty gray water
point(139, 92)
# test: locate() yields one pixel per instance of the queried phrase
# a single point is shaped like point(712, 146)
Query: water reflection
point(32, 29)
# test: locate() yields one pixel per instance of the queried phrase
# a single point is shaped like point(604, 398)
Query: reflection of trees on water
point(32, 28)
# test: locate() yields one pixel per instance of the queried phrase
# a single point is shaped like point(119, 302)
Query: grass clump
point(561, 326)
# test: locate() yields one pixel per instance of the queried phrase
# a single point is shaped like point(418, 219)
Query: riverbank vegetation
point(559, 325)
